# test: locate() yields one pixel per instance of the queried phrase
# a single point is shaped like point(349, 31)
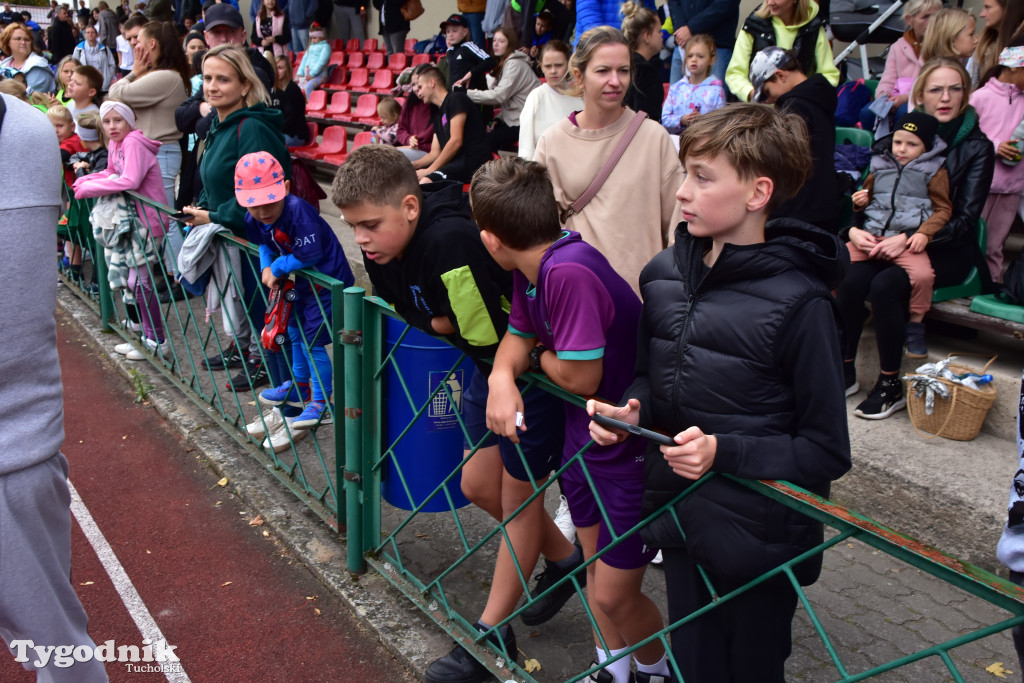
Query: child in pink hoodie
point(1000, 106)
point(132, 165)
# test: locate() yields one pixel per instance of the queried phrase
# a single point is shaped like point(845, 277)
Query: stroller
point(859, 22)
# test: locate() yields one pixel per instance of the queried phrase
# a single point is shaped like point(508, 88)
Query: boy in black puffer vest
point(739, 358)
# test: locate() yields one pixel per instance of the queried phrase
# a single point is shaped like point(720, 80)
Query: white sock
point(660, 667)
point(619, 669)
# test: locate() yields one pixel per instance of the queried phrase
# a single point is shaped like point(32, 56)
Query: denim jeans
point(476, 28)
point(169, 159)
point(300, 39)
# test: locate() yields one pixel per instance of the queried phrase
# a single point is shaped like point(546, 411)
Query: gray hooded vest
point(899, 200)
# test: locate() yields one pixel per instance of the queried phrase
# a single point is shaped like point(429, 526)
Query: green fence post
point(337, 381)
point(99, 262)
point(373, 407)
point(351, 473)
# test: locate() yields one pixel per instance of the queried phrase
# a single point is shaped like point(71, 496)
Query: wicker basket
point(958, 418)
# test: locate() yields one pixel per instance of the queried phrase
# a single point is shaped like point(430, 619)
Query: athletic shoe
point(547, 606)
point(316, 413)
point(643, 677)
point(252, 376)
point(916, 346)
point(284, 436)
point(129, 324)
point(658, 559)
point(276, 396)
point(124, 349)
point(563, 520)
point(269, 421)
point(232, 356)
point(602, 675)
point(850, 378)
point(458, 666)
point(884, 400)
point(152, 347)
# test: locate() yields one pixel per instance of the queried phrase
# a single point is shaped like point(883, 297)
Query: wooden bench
point(957, 312)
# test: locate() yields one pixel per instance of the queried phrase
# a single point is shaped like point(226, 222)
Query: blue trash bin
point(433, 446)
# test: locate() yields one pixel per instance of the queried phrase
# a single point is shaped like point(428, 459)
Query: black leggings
point(502, 136)
point(887, 287)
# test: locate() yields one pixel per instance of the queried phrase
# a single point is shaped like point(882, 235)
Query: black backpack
point(1012, 291)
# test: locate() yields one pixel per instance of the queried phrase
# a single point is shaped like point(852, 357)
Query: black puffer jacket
point(749, 352)
point(970, 163)
point(806, 40)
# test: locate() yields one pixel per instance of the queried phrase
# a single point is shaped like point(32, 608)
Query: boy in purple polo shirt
point(574, 319)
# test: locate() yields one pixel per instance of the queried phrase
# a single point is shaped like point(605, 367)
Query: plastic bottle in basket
point(973, 380)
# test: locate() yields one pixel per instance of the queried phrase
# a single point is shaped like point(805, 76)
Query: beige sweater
point(633, 216)
point(154, 97)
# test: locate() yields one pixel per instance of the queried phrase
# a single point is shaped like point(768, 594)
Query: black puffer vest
point(806, 39)
point(719, 334)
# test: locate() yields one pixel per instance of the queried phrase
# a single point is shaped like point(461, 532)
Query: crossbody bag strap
point(3, 111)
point(606, 169)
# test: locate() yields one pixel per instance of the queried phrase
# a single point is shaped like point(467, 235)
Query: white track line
point(136, 608)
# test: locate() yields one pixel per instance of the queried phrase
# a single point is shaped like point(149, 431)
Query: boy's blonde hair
point(59, 112)
point(514, 199)
point(942, 30)
point(758, 141)
point(375, 174)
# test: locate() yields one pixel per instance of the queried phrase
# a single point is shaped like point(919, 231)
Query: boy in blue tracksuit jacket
point(291, 236)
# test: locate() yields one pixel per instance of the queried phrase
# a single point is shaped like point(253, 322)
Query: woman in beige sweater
point(632, 217)
point(158, 83)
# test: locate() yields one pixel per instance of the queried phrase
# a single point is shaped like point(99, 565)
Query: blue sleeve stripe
point(590, 354)
point(520, 333)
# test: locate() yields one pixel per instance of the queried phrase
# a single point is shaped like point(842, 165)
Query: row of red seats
point(358, 80)
point(340, 107)
point(368, 45)
point(334, 147)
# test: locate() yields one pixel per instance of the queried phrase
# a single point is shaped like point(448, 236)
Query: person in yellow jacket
point(789, 24)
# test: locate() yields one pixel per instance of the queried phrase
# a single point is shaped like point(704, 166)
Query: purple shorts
point(622, 497)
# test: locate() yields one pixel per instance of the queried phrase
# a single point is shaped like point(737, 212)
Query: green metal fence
point(307, 463)
point(339, 470)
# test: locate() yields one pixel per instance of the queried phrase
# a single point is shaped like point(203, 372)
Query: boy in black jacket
point(424, 255)
point(739, 358)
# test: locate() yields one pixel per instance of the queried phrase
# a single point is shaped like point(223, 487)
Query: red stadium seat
point(383, 80)
point(410, 46)
point(375, 60)
point(398, 61)
point(420, 59)
point(339, 106)
point(355, 59)
point(337, 79)
point(371, 45)
point(336, 59)
point(358, 79)
point(334, 141)
point(366, 110)
point(337, 45)
point(317, 103)
point(352, 45)
point(364, 138)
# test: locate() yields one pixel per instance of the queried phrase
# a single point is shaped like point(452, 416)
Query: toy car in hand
point(279, 312)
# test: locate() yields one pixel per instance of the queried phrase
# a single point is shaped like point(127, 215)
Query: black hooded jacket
point(817, 203)
point(445, 270)
point(747, 350)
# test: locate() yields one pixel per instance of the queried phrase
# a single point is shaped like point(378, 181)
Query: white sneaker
point(658, 559)
point(128, 324)
point(563, 520)
point(269, 421)
point(279, 439)
point(152, 347)
point(124, 349)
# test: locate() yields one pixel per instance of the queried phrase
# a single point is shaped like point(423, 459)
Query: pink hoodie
point(1000, 107)
point(133, 160)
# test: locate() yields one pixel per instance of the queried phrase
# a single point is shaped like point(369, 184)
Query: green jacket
point(250, 129)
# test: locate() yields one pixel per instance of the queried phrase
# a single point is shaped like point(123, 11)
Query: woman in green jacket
point(245, 123)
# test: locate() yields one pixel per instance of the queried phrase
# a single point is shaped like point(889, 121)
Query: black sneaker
point(458, 666)
point(642, 677)
point(884, 400)
point(850, 378)
point(253, 375)
point(232, 356)
point(547, 606)
point(916, 346)
point(603, 675)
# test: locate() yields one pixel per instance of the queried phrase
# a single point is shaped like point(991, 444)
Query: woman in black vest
point(790, 24)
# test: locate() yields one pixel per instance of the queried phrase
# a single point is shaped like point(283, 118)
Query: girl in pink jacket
point(132, 165)
point(1000, 106)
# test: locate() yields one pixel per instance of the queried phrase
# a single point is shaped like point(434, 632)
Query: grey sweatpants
point(37, 601)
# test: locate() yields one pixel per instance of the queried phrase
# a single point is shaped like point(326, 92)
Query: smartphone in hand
point(612, 423)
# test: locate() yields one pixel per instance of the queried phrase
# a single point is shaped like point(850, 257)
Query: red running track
point(234, 602)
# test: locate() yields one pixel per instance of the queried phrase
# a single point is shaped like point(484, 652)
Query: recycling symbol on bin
point(440, 406)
